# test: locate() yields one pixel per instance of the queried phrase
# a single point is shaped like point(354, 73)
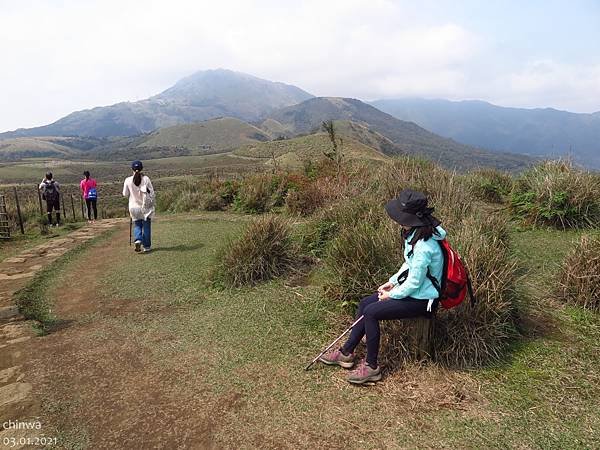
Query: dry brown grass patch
point(579, 281)
point(265, 251)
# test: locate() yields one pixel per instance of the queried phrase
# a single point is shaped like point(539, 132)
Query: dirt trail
point(17, 401)
point(99, 386)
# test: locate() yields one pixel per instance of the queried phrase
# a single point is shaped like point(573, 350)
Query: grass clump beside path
point(580, 274)
point(264, 251)
point(558, 194)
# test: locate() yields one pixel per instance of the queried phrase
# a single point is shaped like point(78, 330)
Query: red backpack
point(455, 278)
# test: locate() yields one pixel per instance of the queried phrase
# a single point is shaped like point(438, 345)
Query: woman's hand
point(384, 295)
point(385, 287)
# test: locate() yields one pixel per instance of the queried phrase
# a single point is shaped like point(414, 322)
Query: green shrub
point(254, 195)
point(489, 185)
point(327, 222)
point(212, 201)
point(305, 200)
point(188, 195)
point(43, 225)
point(558, 194)
point(316, 236)
point(579, 281)
point(266, 250)
point(228, 190)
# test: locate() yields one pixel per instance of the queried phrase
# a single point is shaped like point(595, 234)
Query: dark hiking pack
point(455, 278)
point(50, 193)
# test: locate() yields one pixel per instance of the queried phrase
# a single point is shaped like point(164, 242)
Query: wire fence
point(25, 208)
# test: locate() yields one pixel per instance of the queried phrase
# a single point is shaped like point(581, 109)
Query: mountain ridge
point(210, 94)
point(538, 132)
point(407, 137)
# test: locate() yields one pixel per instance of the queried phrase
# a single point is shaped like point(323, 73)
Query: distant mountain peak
point(203, 95)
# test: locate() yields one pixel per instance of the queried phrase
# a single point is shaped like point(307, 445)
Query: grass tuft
point(579, 281)
point(558, 194)
point(489, 185)
point(265, 251)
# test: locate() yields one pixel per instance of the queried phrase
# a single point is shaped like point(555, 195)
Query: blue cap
point(137, 165)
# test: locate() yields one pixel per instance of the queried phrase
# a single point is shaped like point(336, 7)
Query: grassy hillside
point(19, 148)
point(28, 172)
point(407, 137)
point(218, 135)
point(362, 133)
point(292, 152)
point(277, 129)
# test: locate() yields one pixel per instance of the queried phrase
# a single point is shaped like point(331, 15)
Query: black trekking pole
point(130, 226)
point(334, 342)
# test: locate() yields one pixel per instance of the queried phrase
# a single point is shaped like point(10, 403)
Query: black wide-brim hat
point(410, 209)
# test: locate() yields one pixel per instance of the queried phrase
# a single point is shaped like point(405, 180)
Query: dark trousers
point(373, 311)
point(90, 204)
point(53, 205)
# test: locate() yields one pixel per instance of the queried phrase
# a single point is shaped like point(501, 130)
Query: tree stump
point(424, 337)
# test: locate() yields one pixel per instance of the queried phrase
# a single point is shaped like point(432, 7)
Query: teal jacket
point(425, 254)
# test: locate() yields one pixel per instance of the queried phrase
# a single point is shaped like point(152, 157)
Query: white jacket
point(136, 197)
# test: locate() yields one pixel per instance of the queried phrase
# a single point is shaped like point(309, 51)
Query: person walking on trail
point(50, 190)
point(138, 188)
point(89, 191)
point(406, 294)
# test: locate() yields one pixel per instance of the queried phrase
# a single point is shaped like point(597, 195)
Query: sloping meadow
point(355, 247)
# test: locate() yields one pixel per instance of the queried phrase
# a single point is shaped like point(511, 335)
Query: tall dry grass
point(559, 194)
point(264, 251)
point(489, 185)
point(366, 250)
point(579, 280)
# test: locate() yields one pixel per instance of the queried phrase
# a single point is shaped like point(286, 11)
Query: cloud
point(66, 55)
point(567, 86)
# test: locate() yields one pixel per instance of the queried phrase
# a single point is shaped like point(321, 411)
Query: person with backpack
point(50, 190)
point(89, 191)
point(138, 188)
point(411, 292)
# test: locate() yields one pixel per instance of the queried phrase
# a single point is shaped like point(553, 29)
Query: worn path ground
point(16, 346)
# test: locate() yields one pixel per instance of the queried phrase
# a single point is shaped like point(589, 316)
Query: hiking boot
point(336, 357)
point(147, 250)
point(138, 246)
point(364, 373)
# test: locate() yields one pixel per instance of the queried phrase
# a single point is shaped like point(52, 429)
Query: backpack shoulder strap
point(470, 290)
point(435, 282)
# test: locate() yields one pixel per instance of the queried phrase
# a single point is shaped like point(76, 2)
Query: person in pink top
point(90, 194)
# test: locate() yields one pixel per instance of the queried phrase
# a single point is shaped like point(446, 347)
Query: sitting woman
point(412, 295)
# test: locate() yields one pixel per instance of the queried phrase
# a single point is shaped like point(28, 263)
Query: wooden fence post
point(40, 200)
point(19, 210)
point(64, 211)
point(73, 207)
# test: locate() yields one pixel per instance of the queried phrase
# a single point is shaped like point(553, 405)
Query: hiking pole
point(130, 226)
point(334, 342)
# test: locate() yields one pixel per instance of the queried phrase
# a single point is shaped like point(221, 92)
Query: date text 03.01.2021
point(21, 441)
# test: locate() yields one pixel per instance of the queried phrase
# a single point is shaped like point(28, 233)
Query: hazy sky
point(61, 56)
